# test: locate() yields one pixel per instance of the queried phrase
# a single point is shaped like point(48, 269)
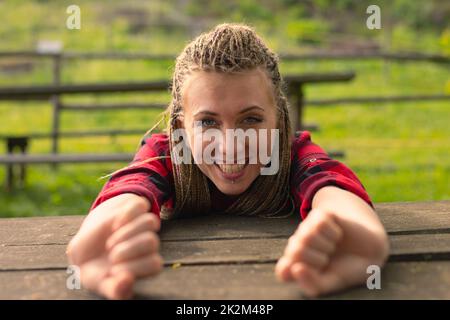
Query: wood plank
point(43, 230)
point(403, 217)
point(230, 251)
point(38, 230)
point(414, 216)
point(38, 285)
point(399, 280)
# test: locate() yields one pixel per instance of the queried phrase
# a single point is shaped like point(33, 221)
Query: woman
point(227, 79)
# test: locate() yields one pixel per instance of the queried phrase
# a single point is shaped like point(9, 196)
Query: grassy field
point(400, 151)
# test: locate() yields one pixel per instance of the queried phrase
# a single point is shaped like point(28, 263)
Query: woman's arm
point(336, 243)
point(353, 212)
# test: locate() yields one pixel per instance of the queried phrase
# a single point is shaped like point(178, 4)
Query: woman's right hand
point(116, 244)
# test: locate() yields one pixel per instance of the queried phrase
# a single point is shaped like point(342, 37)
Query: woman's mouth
point(231, 171)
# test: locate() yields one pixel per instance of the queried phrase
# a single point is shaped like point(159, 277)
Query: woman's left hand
point(329, 252)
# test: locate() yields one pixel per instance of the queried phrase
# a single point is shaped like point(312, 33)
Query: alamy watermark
point(73, 281)
point(374, 280)
point(73, 21)
point(374, 20)
point(235, 142)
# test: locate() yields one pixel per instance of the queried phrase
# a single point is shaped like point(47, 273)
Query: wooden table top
point(227, 257)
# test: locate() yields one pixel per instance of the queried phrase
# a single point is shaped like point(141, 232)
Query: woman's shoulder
point(301, 137)
point(156, 143)
point(302, 145)
point(154, 151)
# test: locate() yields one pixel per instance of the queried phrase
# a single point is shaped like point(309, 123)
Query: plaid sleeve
point(313, 169)
point(150, 179)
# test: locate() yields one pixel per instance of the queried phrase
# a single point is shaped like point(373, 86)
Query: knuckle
point(156, 221)
point(339, 233)
point(139, 204)
point(292, 240)
point(380, 248)
point(295, 252)
point(331, 248)
point(308, 239)
point(301, 250)
point(72, 252)
point(70, 249)
point(127, 208)
point(321, 226)
point(158, 262)
point(120, 268)
point(151, 239)
point(327, 214)
point(301, 254)
point(149, 221)
point(126, 213)
point(134, 205)
point(325, 260)
point(116, 253)
point(113, 256)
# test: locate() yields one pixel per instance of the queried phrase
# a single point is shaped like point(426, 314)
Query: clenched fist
point(116, 244)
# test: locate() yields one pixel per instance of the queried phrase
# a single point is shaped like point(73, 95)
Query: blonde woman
point(227, 79)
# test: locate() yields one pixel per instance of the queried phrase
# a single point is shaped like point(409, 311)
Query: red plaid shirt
point(311, 170)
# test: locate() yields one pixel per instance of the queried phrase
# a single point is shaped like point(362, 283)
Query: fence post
point(13, 143)
point(56, 102)
point(295, 94)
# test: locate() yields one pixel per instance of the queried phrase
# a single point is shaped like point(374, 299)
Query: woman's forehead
point(216, 89)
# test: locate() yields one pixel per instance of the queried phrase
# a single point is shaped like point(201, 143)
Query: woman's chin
point(231, 189)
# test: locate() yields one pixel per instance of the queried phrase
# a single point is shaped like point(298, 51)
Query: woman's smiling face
point(221, 101)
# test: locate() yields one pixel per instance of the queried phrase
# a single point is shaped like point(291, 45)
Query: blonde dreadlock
point(230, 48)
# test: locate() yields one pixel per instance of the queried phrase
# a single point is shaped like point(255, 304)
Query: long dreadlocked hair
point(231, 48)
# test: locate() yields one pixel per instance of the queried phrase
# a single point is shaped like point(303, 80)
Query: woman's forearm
point(346, 204)
point(356, 216)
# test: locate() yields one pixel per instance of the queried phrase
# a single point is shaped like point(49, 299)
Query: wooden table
point(222, 257)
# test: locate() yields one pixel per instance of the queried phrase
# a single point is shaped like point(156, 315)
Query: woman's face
point(221, 101)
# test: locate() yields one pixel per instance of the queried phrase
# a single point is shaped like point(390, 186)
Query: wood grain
point(401, 217)
point(399, 280)
point(228, 251)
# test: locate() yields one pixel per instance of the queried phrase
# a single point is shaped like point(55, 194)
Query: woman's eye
point(208, 122)
point(252, 120)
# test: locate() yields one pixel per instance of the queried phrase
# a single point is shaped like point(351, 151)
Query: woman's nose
point(231, 146)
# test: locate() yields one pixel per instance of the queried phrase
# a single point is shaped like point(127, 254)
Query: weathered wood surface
point(227, 257)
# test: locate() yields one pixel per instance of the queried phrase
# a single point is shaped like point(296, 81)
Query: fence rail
point(386, 99)
point(318, 55)
point(47, 91)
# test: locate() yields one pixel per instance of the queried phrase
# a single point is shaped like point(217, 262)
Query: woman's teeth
point(231, 168)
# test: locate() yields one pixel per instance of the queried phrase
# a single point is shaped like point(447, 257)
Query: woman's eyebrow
point(251, 108)
point(207, 112)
